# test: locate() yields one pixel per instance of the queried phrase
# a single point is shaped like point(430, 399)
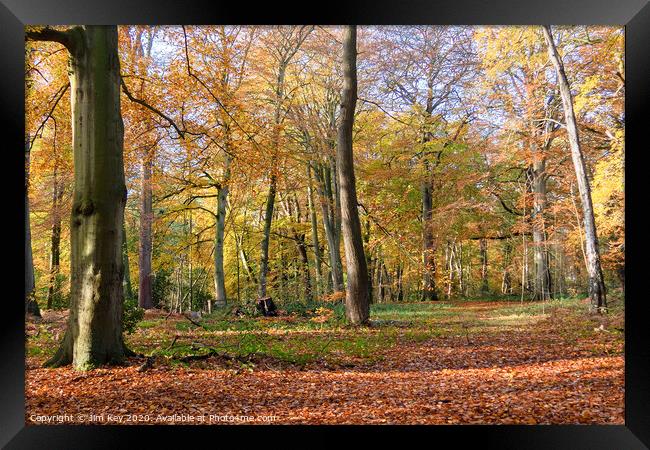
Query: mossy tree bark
point(357, 309)
point(94, 333)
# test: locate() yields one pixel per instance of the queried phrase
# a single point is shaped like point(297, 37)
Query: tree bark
point(506, 280)
point(126, 283)
point(332, 234)
point(597, 292)
point(366, 239)
point(542, 286)
point(429, 290)
point(264, 246)
point(222, 200)
point(145, 299)
point(270, 199)
point(94, 333)
point(31, 306)
point(357, 309)
point(314, 232)
point(55, 243)
point(485, 287)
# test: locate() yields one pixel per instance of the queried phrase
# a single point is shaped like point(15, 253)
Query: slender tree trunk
point(268, 218)
point(369, 263)
point(429, 290)
point(597, 292)
point(398, 277)
point(542, 287)
point(328, 210)
point(377, 278)
point(306, 277)
point(459, 268)
point(270, 199)
point(485, 288)
point(31, 306)
point(314, 232)
point(94, 333)
point(357, 309)
point(55, 247)
point(145, 299)
point(128, 288)
point(222, 200)
point(506, 281)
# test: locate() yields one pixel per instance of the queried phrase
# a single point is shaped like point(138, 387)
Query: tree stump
point(266, 307)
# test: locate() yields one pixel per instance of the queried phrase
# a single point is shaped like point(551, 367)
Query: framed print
point(393, 213)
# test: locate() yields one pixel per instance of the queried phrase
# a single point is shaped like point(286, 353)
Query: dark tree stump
point(266, 307)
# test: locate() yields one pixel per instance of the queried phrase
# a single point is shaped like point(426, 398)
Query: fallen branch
point(195, 322)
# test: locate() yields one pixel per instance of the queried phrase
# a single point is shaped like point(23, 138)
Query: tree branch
point(51, 35)
point(125, 89)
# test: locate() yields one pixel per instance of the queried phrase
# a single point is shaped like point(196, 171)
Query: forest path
point(484, 362)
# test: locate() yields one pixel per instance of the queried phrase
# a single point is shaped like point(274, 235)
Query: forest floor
point(458, 362)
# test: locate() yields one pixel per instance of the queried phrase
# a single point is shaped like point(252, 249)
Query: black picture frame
point(634, 14)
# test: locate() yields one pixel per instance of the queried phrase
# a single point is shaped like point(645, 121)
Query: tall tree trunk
point(542, 286)
point(31, 306)
point(145, 299)
point(485, 288)
point(366, 239)
point(398, 277)
point(264, 247)
point(306, 277)
point(94, 333)
point(429, 290)
point(270, 199)
point(332, 234)
point(357, 309)
point(126, 283)
point(222, 201)
point(314, 232)
point(506, 280)
point(55, 247)
point(597, 292)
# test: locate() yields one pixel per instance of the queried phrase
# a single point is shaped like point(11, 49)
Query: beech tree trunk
point(314, 232)
point(145, 291)
point(429, 290)
point(31, 306)
point(542, 285)
point(485, 287)
point(126, 282)
point(264, 246)
point(270, 199)
point(357, 309)
point(94, 333)
point(366, 242)
point(222, 201)
point(506, 280)
point(55, 243)
point(145, 299)
point(330, 213)
point(597, 292)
